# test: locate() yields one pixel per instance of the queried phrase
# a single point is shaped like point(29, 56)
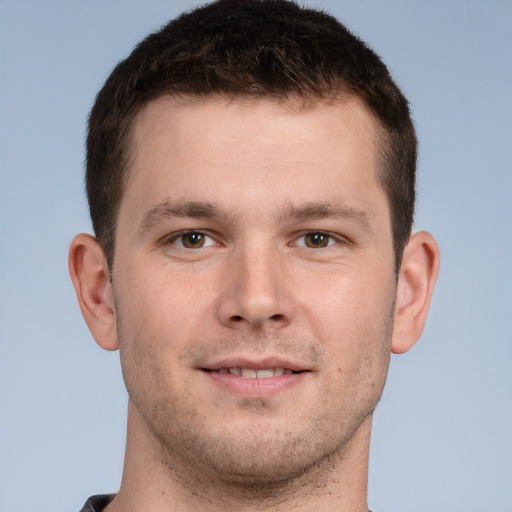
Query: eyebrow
point(168, 209)
point(186, 209)
point(318, 211)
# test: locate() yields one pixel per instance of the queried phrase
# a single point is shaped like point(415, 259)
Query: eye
point(316, 240)
point(192, 240)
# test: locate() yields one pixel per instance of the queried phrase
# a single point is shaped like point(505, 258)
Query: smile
point(254, 373)
point(258, 381)
point(256, 377)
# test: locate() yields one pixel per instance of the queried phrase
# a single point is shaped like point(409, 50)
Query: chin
point(263, 457)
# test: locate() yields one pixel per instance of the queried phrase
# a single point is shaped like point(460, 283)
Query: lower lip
point(255, 387)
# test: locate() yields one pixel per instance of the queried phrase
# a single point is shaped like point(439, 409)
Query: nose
point(255, 291)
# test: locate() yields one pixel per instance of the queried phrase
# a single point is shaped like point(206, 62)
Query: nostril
point(273, 318)
point(257, 321)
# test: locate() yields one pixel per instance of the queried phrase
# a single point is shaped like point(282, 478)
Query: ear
point(416, 280)
point(89, 273)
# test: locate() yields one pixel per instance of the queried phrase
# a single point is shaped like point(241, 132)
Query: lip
point(257, 364)
point(255, 387)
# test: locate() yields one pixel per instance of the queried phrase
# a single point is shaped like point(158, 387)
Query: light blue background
point(443, 430)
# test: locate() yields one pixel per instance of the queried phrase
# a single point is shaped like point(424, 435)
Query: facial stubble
point(265, 457)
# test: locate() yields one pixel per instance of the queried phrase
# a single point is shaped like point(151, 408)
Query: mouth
point(254, 373)
point(255, 378)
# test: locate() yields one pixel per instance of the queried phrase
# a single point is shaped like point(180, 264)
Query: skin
point(292, 266)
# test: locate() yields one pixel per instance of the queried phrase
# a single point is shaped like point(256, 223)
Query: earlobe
point(89, 273)
point(418, 274)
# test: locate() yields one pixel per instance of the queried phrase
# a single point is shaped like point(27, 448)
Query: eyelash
point(181, 236)
point(330, 240)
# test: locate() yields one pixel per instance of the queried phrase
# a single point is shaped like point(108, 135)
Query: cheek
point(158, 314)
point(153, 298)
point(146, 325)
point(352, 318)
point(350, 301)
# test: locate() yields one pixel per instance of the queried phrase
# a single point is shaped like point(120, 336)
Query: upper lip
point(256, 364)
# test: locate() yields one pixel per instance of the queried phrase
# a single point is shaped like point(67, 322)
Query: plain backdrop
point(442, 437)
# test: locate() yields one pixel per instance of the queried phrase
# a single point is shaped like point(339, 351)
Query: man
point(250, 175)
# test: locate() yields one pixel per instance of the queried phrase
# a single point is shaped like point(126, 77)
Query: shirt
point(97, 503)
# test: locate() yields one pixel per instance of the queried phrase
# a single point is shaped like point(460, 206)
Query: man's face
point(254, 282)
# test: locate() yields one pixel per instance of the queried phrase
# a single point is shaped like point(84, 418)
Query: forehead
point(203, 149)
point(240, 117)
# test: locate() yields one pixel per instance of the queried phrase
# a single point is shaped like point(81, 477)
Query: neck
point(155, 481)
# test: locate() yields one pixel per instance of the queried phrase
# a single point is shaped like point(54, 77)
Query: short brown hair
point(248, 48)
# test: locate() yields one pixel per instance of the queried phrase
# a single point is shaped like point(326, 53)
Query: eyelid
point(211, 240)
point(334, 238)
point(171, 239)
